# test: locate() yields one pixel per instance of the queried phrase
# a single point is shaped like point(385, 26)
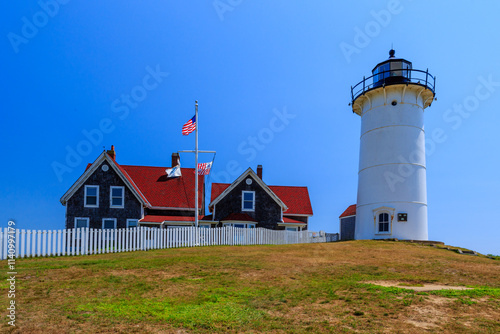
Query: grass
point(314, 288)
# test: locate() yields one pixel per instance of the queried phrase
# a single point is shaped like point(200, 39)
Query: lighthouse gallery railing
point(393, 77)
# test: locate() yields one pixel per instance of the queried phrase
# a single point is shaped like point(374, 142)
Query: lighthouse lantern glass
point(392, 68)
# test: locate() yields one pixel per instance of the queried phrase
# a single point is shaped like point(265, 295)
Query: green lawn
point(316, 288)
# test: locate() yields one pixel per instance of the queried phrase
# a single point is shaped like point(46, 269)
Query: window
point(132, 222)
point(91, 197)
point(108, 223)
point(294, 229)
point(383, 223)
point(81, 222)
point(239, 225)
point(248, 201)
point(116, 195)
point(379, 72)
point(204, 225)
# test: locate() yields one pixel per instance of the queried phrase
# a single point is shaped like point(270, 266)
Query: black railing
point(394, 77)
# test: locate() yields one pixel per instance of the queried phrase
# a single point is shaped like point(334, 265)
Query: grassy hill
point(315, 288)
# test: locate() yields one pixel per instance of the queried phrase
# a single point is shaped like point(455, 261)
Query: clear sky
point(273, 83)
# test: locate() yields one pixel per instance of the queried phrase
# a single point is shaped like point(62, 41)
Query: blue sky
point(273, 83)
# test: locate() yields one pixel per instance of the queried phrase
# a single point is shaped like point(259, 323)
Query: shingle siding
point(267, 211)
point(347, 226)
point(75, 204)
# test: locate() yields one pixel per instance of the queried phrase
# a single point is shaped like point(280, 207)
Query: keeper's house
point(109, 195)
point(249, 202)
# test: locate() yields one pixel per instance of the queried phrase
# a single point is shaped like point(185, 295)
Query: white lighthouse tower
point(392, 191)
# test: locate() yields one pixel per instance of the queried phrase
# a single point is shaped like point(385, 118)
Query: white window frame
point(111, 197)
point(85, 197)
point(388, 222)
point(243, 200)
point(129, 220)
point(83, 218)
point(113, 219)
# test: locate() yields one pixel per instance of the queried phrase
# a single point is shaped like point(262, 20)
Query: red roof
point(160, 219)
point(217, 189)
point(350, 211)
point(292, 221)
point(161, 191)
point(243, 217)
point(295, 198)
point(153, 186)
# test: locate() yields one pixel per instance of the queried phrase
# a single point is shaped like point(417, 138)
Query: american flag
point(204, 168)
point(189, 127)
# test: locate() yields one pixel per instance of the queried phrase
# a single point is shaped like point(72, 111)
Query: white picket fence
point(85, 241)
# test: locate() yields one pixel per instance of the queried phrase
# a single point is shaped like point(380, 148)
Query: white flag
point(174, 172)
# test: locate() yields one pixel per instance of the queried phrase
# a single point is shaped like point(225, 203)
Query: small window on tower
point(383, 223)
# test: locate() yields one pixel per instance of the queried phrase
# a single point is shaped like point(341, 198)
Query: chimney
point(175, 159)
point(259, 171)
point(112, 153)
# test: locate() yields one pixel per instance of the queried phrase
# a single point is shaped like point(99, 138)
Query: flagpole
point(196, 163)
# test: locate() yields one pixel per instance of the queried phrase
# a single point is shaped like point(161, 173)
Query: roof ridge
point(155, 166)
point(288, 186)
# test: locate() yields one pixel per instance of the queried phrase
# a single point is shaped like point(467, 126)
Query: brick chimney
point(112, 153)
point(259, 171)
point(175, 159)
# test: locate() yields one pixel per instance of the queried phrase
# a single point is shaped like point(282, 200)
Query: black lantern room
point(392, 71)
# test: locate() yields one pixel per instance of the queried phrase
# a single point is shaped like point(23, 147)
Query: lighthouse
point(392, 190)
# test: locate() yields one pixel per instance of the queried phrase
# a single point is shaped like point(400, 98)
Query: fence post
point(54, 242)
point(141, 235)
point(105, 241)
point(38, 243)
point(1, 244)
point(23, 234)
point(78, 241)
point(64, 241)
point(91, 241)
point(28, 244)
point(4, 239)
point(87, 241)
point(99, 241)
point(96, 237)
point(73, 241)
point(49, 242)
